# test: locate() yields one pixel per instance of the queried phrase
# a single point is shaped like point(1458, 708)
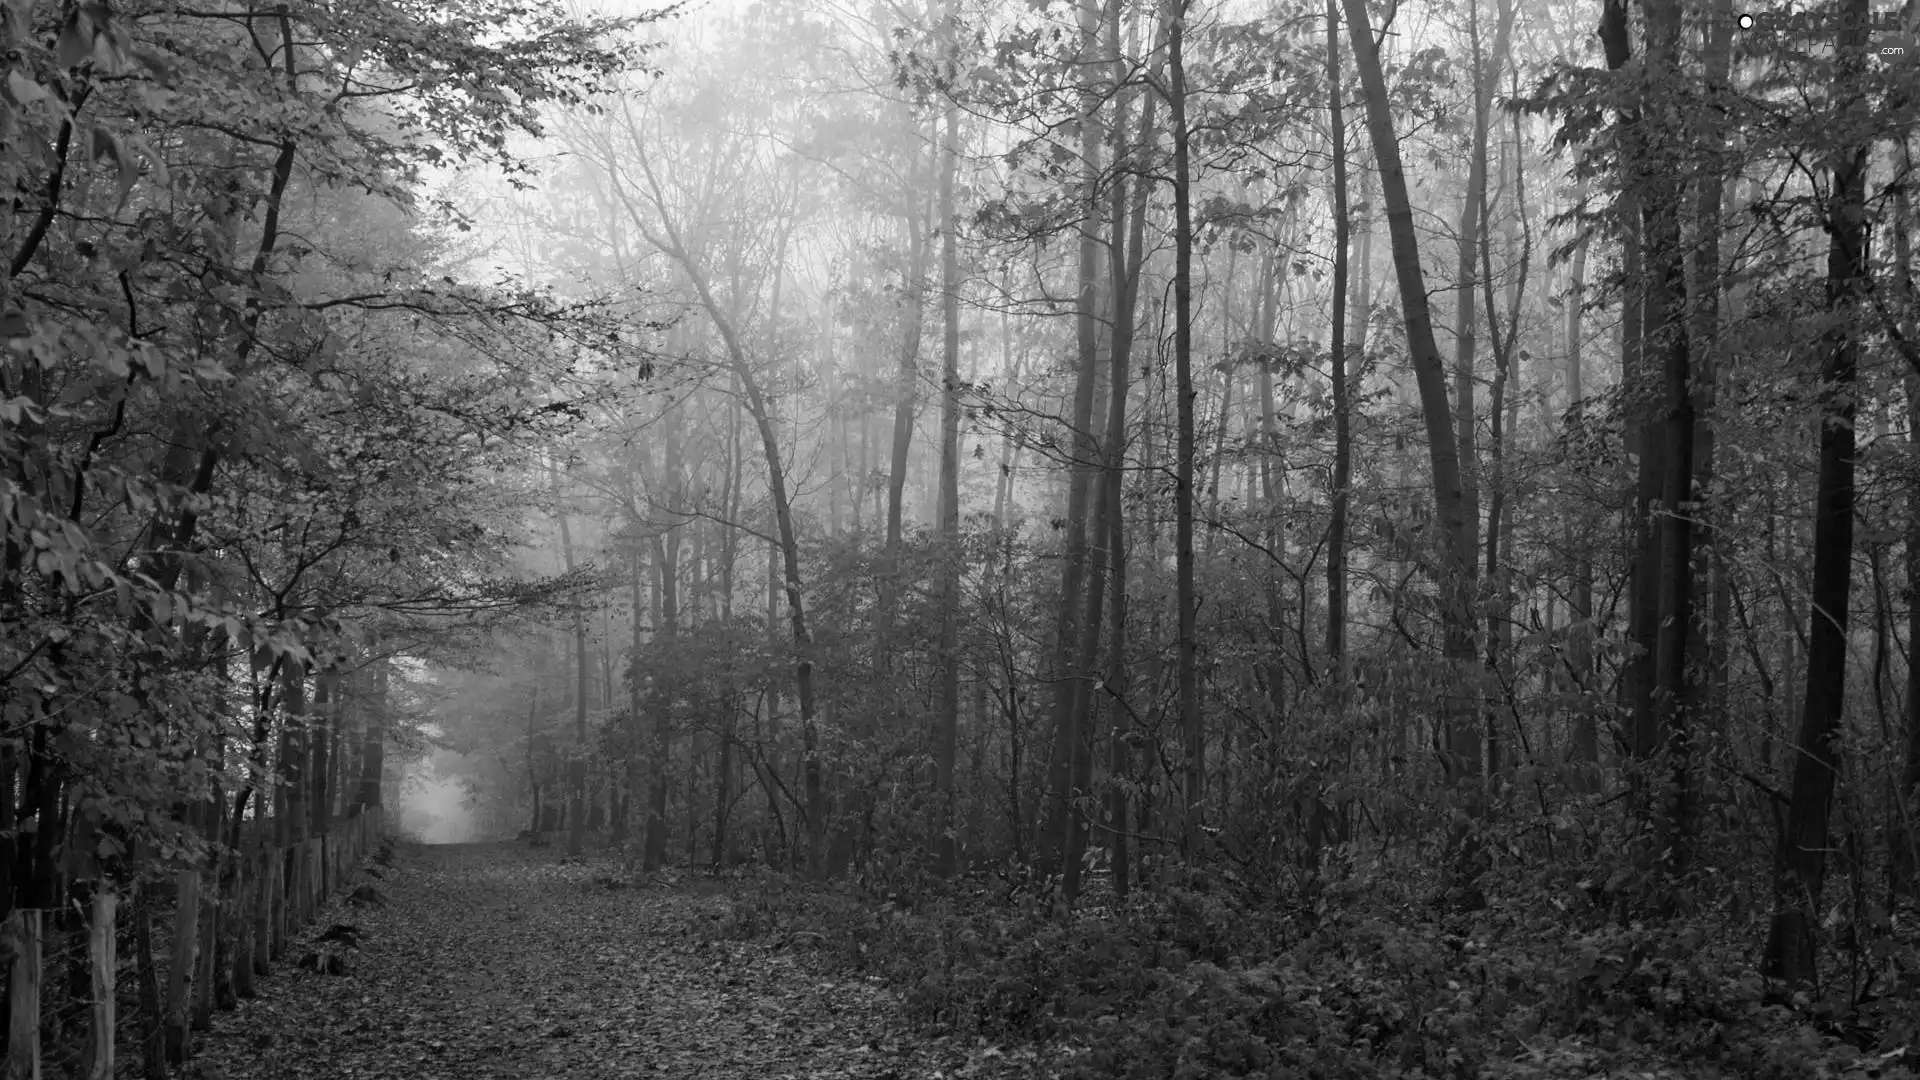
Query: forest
point(1155, 537)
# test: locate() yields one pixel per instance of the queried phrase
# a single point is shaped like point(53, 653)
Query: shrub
point(1360, 977)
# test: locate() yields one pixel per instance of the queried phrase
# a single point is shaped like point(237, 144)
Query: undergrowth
point(1352, 973)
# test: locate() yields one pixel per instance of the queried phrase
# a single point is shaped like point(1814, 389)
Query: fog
point(435, 807)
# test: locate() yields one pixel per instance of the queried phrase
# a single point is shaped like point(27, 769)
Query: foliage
point(1359, 976)
point(750, 654)
point(250, 417)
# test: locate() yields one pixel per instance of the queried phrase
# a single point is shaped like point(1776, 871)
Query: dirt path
point(496, 961)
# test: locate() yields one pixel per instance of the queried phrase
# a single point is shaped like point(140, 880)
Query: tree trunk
point(1222, 420)
point(1466, 286)
point(1012, 441)
point(208, 970)
point(1635, 684)
point(1801, 865)
point(636, 725)
point(1272, 279)
point(1337, 361)
point(267, 873)
point(1457, 573)
point(1072, 824)
point(1503, 415)
point(1585, 750)
point(291, 826)
point(1644, 438)
point(729, 554)
point(1187, 654)
point(907, 389)
point(373, 746)
point(1667, 304)
point(1119, 748)
point(797, 617)
point(538, 826)
point(1909, 797)
point(325, 737)
point(577, 760)
point(946, 851)
point(1125, 253)
point(1473, 246)
point(1128, 254)
point(1708, 636)
point(1362, 302)
point(186, 933)
point(153, 1061)
point(246, 891)
point(1069, 684)
point(670, 240)
point(1904, 838)
point(666, 559)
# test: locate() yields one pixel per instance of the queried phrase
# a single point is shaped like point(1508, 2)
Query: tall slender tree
point(1662, 206)
point(1455, 570)
point(1337, 358)
point(1187, 671)
point(577, 753)
point(1069, 684)
point(946, 744)
point(1905, 835)
point(1800, 873)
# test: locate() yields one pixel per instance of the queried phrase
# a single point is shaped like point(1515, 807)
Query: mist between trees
point(1450, 467)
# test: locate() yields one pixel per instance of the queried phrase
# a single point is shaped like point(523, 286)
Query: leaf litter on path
point(498, 962)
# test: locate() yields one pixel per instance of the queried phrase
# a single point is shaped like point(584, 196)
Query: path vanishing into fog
point(502, 961)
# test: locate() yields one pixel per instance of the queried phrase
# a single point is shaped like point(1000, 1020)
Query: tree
point(576, 758)
point(1661, 202)
point(1342, 475)
point(1584, 752)
point(1061, 827)
point(221, 334)
point(1904, 844)
point(1188, 674)
point(1801, 868)
point(1126, 264)
point(645, 194)
point(1485, 76)
point(946, 744)
point(1456, 567)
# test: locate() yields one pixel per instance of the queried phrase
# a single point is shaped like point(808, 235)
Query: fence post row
point(23, 988)
point(273, 893)
point(101, 947)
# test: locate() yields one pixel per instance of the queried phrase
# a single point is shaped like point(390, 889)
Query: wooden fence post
point(305, 911)
point(245, 908)
point(23, 1025)
point(186, 933)
point(100, 947)
point(280, 893)
point(290, 902)
point(263, 913)
point(206, 962)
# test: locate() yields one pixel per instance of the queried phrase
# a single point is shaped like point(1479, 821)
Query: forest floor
point(500, 961)
point(510, 962)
